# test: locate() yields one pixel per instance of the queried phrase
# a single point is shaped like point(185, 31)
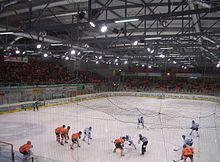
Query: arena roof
point(183, 33)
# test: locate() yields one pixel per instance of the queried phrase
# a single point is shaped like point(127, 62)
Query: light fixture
point(56, 44)
point(117, 57)
point(149, 66)
point(153, 38)
point(6, 33)
point(162, 55)
point(67, 58)
point(119, 70)
point(142, 65)
point(126, 62)
point(24, 52)
point(97, 62)
point(126, 20)
point(78, 53)
point(92, 24)
point(73, 52)
point(104, 28)
point(165, 48)
point(135, 43)
point(39, 46)
point(100, 57)
point(116, 60)
point(86, 60)
point(168, 74)
point(116, 63)
point(136, 64)
point(17, 51)
point(148, 49)
point(174, 62)
point(152, 51)
point(45, 55)
point(168, 59)
point(185, 67)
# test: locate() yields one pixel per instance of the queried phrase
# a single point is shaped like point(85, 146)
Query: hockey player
point(130, 141)
point(119, 144)
point(140, 121)
point(87, 133)
point(187, 152)
point(187, 140)
point(58, 132)
point(36, 105)
point(195, 127)
point(144, 141)
point(64, 135)
point(75, 137)
point(26, 150)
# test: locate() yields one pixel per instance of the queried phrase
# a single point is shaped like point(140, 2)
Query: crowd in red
point(208, 86)
point(37, 71)
point(41, 72)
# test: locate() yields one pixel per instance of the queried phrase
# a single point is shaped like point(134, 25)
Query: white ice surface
point(113, 117)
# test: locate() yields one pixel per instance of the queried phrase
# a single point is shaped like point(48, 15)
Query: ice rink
point(166, 120)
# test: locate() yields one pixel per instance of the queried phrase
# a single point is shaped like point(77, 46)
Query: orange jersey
point(59, 129)
point(75, 135)
point(66, 131)
point(25, 147)
point(187, 151)
point(119, 140)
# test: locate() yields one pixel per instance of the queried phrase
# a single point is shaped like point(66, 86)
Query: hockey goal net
point(6, 152)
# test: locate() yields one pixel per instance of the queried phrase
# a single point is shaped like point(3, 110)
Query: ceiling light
point(135, 43)
point(152, 51)
point(78, 53)
point(73, 52)
point(149, 66)
point(116, 60)
point(126, 20)
point(5, 33)
point(56, 44)
point(45, 55)
point(174, 62)
point(153, 38)
point(39, 46)
point(92, 24)
point(67, 58)
point(142, 65)
point(185, 67)
point(148, 49)
point(164, 48)
point(119, 70)
point(104, 28)
point(100, 57)
point(117, 57)
point(116, 63)
point(125, 62)
point(168, 59)
point(162, 56)
point(136, 64)
point(17, 51)
point(24, 52)
point(86, 60)
point(97, 62)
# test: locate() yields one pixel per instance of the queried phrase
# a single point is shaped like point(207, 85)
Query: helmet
point(126, 137)
point(123, 138)
point(64, 126)
point(183, 136)
point(193, 121)
point(140, 135)
point(90, 128)
point(68, 127)
point(80, 132)
point(29, 142)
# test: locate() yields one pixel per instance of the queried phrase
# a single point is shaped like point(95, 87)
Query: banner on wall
point(16, 59)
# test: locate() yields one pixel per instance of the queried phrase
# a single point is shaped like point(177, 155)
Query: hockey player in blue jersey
point(129, 140)
point(87, 134)
point(140, 121)
point(195, 127)
point(187, 141)
point(144, 141)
